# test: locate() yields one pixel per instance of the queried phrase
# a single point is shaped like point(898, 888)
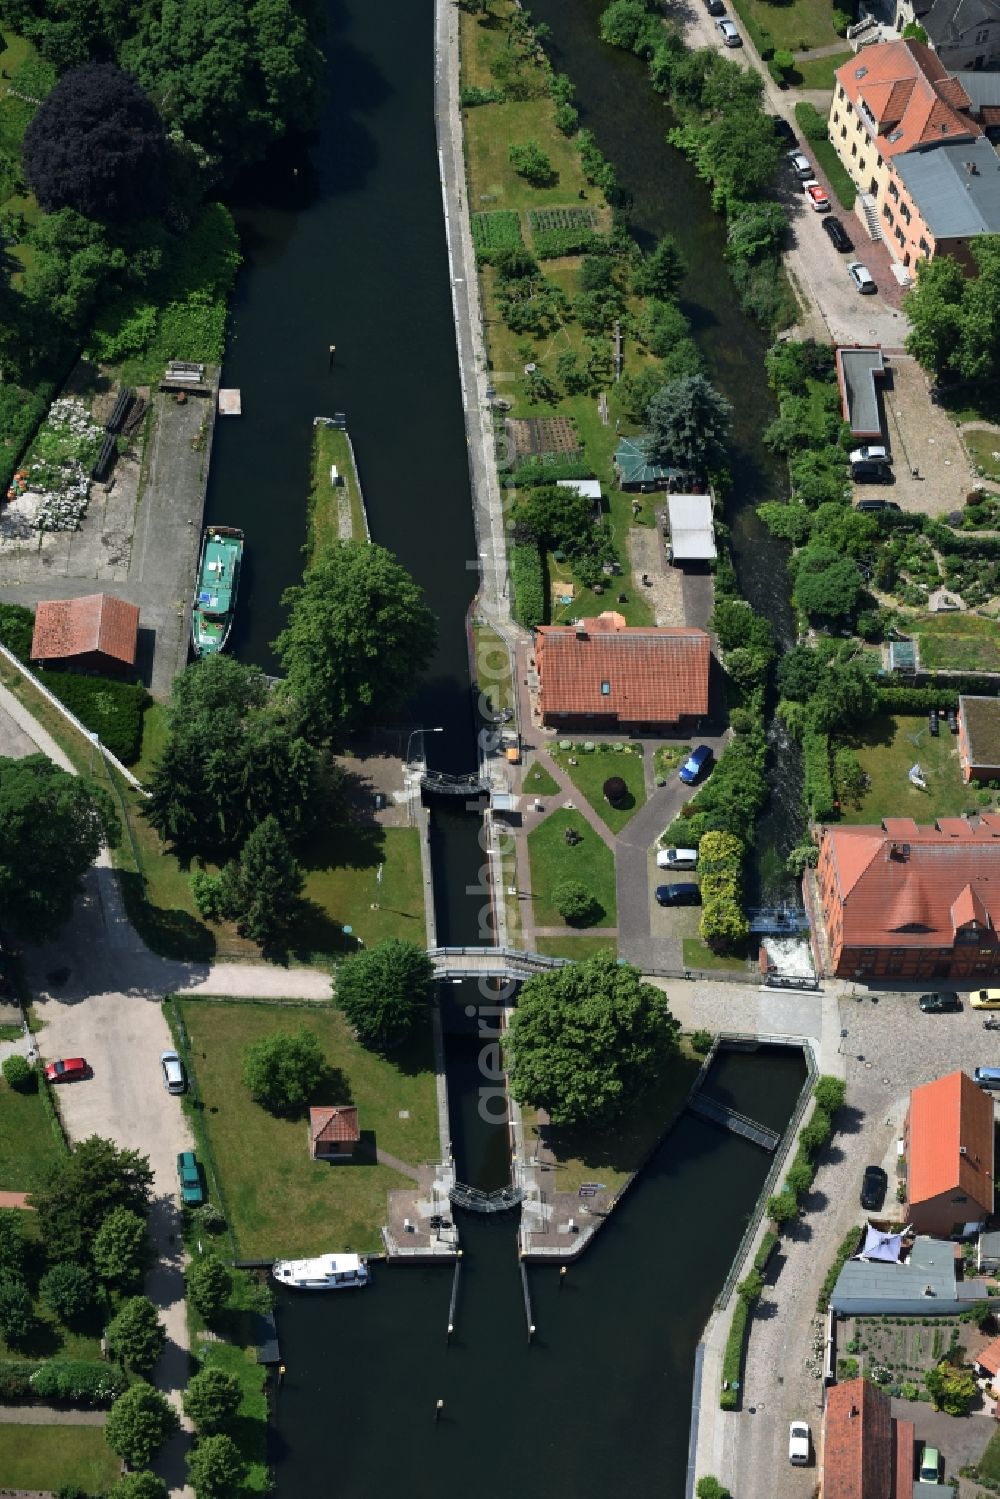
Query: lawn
point(887, 747)
point(989, 1464)
point(553, 860)
point(279, 1201)
point(345, 886)
point(577, 948)
point(612, 1155)
point(28, 1145)
point(818, 72)
point(45, 1457)
point(796, 27)
point(958, 642)
point(249, 1428)
point(539, 783)
point(330, 446)
point(668, 758)
point(593, 768)
point(837, 174)
point(984, 451)
point(698, 955)
point(493, 669)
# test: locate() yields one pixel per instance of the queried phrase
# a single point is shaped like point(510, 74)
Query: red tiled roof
point(858, 1446)
point(331, 1125)
point(76, 627)
point(989, 1357)
point(945, 1116)
point(603, 666)
point(917, 885)
point(903, 1473)
point(910, 94)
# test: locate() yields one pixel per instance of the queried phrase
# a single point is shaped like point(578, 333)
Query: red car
point(816, 195)
point(68, 1070)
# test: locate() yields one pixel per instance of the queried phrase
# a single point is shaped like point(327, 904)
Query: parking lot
point(922, 438)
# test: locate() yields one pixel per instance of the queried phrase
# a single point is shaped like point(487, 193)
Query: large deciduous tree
point(120, 1248)
point(139, 1423)
point(97, 144)
point(52, 826)
point(384, 991)
point(81, 1189)
point(688, 422)
point(358, 634)
point(216, 1467)
point(827, 583)
point(282, 1071)
point(587, 1040)
point(136, 1336)
point(211, 1399)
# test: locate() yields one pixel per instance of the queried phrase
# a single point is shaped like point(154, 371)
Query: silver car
point(861, 276)
point(174, 1078)
point(730, 35)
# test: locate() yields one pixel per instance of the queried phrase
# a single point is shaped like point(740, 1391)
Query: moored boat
point(215, 594)
point(327, 1272)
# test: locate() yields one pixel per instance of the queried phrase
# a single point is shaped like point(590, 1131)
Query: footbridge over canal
point(490, 962)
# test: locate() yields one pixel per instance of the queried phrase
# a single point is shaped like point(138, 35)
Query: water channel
point(344, 243)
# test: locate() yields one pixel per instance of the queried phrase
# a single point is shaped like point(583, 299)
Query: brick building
point(902, 901)
point(95, 633)
point(867, 1452)
point(948, 1142)
point(334, 1133)
point(979, 737)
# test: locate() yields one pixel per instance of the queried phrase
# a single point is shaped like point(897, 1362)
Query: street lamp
point(414, 733)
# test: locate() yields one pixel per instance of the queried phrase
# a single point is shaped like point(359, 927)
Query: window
point(880, 161)
point(893, 191)
point(843, 132)
point(960, 1197)
point(904, 213)
point(887, 214)
point(840, 90)
point(850, 107)
point(605, 689)
point(836, 116)
point(899, 235)
point(854, 148)
point(861, 165)
point(982, 36)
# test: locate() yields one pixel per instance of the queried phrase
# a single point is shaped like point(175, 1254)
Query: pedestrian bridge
point(489, 962)
point(485, 1202)
point(441, 782)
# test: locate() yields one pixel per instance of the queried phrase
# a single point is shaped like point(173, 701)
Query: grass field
point(818, 72)
point(592, 770)
point(539, 783)
point(958, 642)
point(330, 446)
point(45, 1457)
point(553, 860)
point(346, 886)
point(823, 150)
point(493, 671)
point(796, 27)
point(249, 1426)
point(577, 948)
point(697, 955)
point(989, 1464)
point(28, 1146)
point(887, 747)
point(279, 1201)
point(983, 448)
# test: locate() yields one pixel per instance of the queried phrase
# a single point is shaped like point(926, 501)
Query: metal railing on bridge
point(449, 785)
point(731, 1119)
point(777, 921)
point(493, 962)
point(485, 1202)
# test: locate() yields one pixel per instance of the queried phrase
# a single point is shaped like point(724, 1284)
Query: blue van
point(695, 764)
point(987, 1077)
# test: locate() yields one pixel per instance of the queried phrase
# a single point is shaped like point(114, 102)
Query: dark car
point(872, 471)
point(695, 764)
point(715, 7)
point(873, 1188)
point(838, 235)
point(871, 507)
point(932, 723)
point(783, 130)
point(952, 721)
point(678, 895)
point(939, 1004)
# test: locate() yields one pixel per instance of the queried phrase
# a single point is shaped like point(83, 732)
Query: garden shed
point(634, 469)
point(98, 632)
point(692, 534)
point(334, 1134)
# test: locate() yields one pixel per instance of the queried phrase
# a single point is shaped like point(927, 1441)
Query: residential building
point(979, 738)
point(902, 901)
point(334, 1134)
point(948, 1149)
point(928, 180)
point(867, 1451)
point(859, 367)
point(893, 1277)
point(95, 633)
point(963, 33)
point(987, 1363)
point(604, 675)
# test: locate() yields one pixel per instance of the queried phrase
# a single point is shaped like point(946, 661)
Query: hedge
point(527, 581)
point(74, 1382)
point(818, 780)
point(549, 244)
point(545, 471)
point(21, 413)
point(847, 1248)
point(916, 699)
point(111, 709)
point(732, 1358)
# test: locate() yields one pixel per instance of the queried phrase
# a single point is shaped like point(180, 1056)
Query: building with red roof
point(97, 633)
point(603, 675)
point(948, 1145)
point(987, 1360)
point(334, 1133)
point(867, 1452)
point(903, 901)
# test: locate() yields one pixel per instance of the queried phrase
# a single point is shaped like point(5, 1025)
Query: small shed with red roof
point(98, 633)
point(334, 1134)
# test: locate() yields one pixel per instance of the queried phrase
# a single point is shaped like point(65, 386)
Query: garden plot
point(51, 489)
point(896, 1352)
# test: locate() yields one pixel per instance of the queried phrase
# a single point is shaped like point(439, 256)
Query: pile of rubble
point(58, 490)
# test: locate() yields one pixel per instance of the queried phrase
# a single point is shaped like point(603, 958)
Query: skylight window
point(605, 689)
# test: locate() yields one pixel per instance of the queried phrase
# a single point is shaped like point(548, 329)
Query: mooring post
point(438, 1409)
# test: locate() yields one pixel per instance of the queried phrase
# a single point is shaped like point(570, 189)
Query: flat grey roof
point(954, 199)
point(982, 88)
point(856, 372)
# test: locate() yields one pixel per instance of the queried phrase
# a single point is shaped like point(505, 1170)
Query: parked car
point(189, 1176)
point(695, 764)
point(174, 1076)
point(873, 473)
point(869, 507)
point(838, 235)
point(801, 165)
point(932, 723)
point(67, 1070)
point(939, 1004)
point(985, 999)
point(678, 895)
point(380, 801)
point(730, 35)
point(952, 721)
point(929, 1465)
point(816, 194)
point(873, 1188)
point(870, 452)
point(987, 1077)
point(715, 7)
point(798, 1444)
point(861, 276)
point(782, 129)
point(677, 858)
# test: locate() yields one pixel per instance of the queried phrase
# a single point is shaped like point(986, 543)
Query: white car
point(816, 194)
point(801, 165)
point(730, 35)
point(798, 1444)
point(677, 858)
point(861, 276)
point(872, 452)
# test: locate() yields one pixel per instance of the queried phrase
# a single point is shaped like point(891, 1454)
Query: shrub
point(283, 1070)
point(112, 710)
point(710, 1488)
point(527, 579)
point(530, 162)
point(17, 1315)
point(829, 1093)
point(847, 1247)
point(576, 904)
point(701, 1042)
point(17, 624)
point(720, 857)
point(78, 1382)
point(19, 1075)
point(68, 1290)
point(818, 780)
point(814, 1135)
point(800, 1176)
point(732, 1357)
point(749, 1289)
point(782, 1208)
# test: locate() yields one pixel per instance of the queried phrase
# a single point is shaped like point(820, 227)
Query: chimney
point(962, 1150)
point(852, 1412)
point(581, 634)
point(971, 168)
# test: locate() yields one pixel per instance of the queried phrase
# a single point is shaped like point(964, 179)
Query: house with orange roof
point(868, 1453)
point(334, 1133)
point(948, 1147)
point(95, 633)
point(987, 1362)
point(605, 675)
point(928, 180)
point(911, 902)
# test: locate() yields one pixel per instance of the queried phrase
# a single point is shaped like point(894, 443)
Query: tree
point(283, 1070)
point(139, 1423)
point(215, 1467)
point(97, 144)
point(660, 273)
point(628, 24)
point(81, 1189)
point(826, 584)
point(783, 62)
point(17, 1316)
point(952, 1388)
point(136, 1336)
point(799, 672)
point(120, 1248)
point(555, 517)
point(750, 1288)
point(829, 1093)
point(587, 1040)
point(385, 991)
point(209, 1285)
point(757, 232)
point(234, 755)
point(851, 777)
point(262, 889)
point(52, 826)
point(211, 1399)
point(577, 905)
point(530, 162)
point(661, 326)
point(782, 1208)
point(688, 421)
point(68, 1290)
point(936, 308)
point(358, 634)
point(139, 1486)
point(13, 1246)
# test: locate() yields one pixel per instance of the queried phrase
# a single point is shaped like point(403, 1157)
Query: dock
point(230, 403)
point(731, 1119)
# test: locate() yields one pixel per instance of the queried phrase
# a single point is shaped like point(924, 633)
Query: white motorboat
point(327, 1272)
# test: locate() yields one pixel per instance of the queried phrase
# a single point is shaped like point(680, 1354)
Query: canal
point(344, 243)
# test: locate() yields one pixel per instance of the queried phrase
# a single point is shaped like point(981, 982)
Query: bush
point(112, 710)
point(848, 1246)
point(710, 1488)
point(814, 1135)
point(829, 1094)
point(782, 1208)
point(720, 858)
point(801, 1174)
point(68, 1290)
point(78, 1382)
point(19, 1075)
point(732, 1357)
point(527, 581)
point(282, 1071)
point(21, 413)
point(576, 904)
point(818, 780)
point(17, 624)
point(530, 162)
point(701, 1042)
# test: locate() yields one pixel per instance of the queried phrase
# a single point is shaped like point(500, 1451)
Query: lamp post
point(413, 735)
